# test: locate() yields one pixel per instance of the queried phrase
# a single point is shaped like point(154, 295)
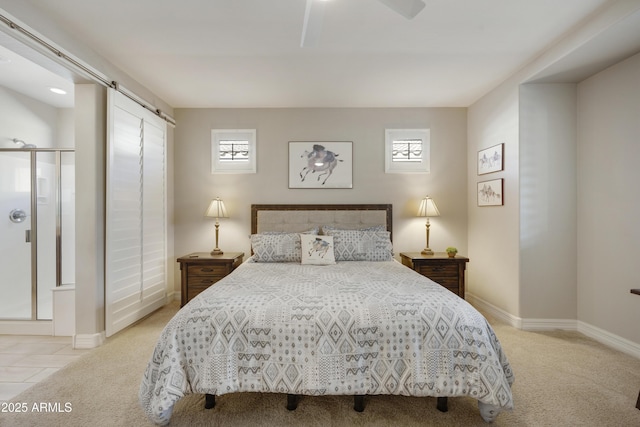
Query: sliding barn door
point(136, 258)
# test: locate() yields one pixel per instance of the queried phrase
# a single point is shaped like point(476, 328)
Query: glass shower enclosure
point(37, 229)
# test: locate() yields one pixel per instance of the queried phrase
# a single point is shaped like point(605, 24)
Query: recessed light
point(58, 91)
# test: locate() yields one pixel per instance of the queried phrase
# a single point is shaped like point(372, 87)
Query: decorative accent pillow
point(317, 250)
point(283, 247)
point(362, 245)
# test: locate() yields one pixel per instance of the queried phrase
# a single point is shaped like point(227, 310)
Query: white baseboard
point(609, 339)
point(88, 340)
point(549, 324)
point(173, 296)
point(494, 311)
point(26, 327)
point(604, 337)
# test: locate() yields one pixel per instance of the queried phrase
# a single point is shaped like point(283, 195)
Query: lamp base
point(216, 251)
point(427, 251)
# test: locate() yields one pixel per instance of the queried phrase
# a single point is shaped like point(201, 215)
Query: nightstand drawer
point(218, 271)
point(437, 270)
point(203, 280)
point(195, 290)
point(447, 282)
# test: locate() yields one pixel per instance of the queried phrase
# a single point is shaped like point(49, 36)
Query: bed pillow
point(362, 245)
point(347, 244)
point(317, 250)
point(315, 230)
point(377, 245)
point(326, 228)
point(281, 247)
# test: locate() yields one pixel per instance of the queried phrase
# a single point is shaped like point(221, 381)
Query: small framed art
point(321, 164)
point(491, 159)
point(490, 192)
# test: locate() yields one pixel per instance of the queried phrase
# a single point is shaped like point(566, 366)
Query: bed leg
point(292, 402)
point(442, 404)
point(488, 412)
point(209, 401)
point(358, 402)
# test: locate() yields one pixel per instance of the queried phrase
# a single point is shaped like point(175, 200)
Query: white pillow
point(317, 250)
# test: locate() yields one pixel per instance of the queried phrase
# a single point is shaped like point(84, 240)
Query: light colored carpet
point(562, 379)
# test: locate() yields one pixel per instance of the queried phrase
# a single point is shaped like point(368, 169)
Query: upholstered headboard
point(299, 218)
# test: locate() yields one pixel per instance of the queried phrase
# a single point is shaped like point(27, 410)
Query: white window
point(233, 151)
point(407, 151)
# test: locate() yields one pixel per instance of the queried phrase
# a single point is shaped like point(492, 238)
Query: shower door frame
point(33, 232)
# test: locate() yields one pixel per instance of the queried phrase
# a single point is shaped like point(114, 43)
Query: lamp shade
point(216, 209)
point(428, 208)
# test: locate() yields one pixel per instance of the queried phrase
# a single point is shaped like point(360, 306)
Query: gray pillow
point(280, 247)
point(361, 245)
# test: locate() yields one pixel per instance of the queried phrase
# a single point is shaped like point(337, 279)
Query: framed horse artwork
point(321, 164)
point(491, 159)
point(490, 192)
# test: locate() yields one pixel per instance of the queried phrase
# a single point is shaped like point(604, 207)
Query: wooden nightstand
point(201, 270)
point(448, 272)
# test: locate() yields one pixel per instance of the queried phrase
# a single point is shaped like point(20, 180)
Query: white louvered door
point(153, 213)
point(135, 215)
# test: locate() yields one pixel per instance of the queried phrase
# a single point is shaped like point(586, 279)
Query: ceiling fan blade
point(312, 25)
point(407, 8)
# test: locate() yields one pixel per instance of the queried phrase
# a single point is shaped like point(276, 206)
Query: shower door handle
point(27, 236)
point(17, 216)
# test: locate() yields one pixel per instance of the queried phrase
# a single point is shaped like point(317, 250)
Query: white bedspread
point(350, 328)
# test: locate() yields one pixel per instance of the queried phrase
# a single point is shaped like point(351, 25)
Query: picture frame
point(321, 164)
point(491, 159)
point(407, 151)
point(490, 193)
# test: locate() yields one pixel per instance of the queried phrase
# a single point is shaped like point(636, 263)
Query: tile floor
point(25, 360)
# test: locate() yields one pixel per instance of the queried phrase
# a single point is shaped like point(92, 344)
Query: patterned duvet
point(351, 328)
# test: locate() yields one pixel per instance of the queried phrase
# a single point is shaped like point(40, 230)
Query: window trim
point(218, 166)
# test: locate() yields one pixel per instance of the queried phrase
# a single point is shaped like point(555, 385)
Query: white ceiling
point(30, 79)
point(246, 53)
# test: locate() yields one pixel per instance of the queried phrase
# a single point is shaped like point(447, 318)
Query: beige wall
point(568, 143)
point(195, 186)
point(548, 201)
point(494, 277)
point(608, 203)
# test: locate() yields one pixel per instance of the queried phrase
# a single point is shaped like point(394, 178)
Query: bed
point(322, 307)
